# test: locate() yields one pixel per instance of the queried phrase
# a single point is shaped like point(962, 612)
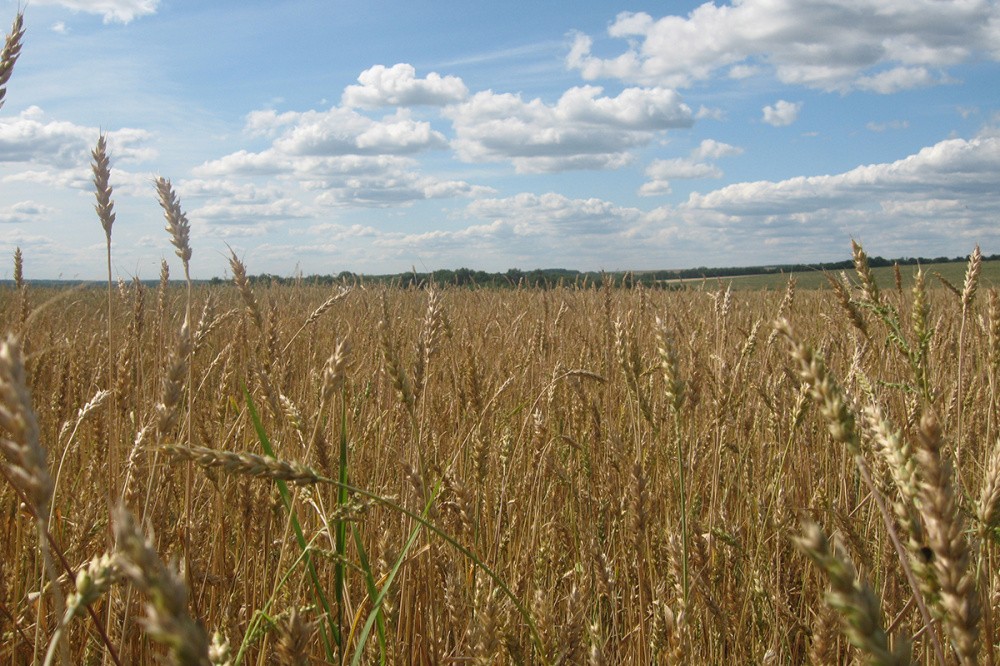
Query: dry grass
point(617, 476)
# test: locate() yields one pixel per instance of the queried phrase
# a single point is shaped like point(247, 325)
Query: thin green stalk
point(252, 628)
point(286, 499)
point(376, 610)
point(372, 591)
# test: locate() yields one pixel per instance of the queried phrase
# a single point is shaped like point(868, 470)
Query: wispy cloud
point(113, 11)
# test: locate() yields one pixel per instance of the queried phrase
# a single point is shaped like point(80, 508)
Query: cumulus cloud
point(346, 157)
point(393, 188)
point(867, 44)
point(25, 211)
point(782, 113)
point(898, 78)
point(525, 230)
point(342, 131)
point(233, 212)
point(698, 165)
point(942, 196)
point(529, 214)
point(950, 169)
point(32, 139)
point(340, 181)
point(399, 86)
point(581, 130)
point(113, 11)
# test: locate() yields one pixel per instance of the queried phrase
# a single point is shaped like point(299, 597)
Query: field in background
point(951, 271)
point(605, 475)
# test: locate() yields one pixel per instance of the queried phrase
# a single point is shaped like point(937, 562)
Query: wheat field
point(294, 474)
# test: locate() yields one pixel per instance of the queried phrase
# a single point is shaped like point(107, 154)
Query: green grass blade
point(286, 498)
point(377, 601)
point(263, 612)
point(472, 557)
point(372, 590)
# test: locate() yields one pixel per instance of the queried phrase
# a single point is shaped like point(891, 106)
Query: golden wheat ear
point(11, 50)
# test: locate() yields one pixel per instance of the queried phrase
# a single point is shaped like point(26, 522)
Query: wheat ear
point(26, 468)
point(11, 50)
point(946, 538)
point(177, 223)
point(853, 598)
point(167, 619)
point(250, 464)
point(841, 423)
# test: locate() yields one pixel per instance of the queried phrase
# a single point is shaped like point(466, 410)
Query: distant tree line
point(552, 277)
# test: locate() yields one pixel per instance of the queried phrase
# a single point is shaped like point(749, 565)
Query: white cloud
point(582, 130)
point(744, 71)
point(710, 113)
point(59, 27)
point(399, 86)
point(242, 192)
point(782, 114)
point(113, 11)
point(526, 230)
point(950, 169)
point(896, 79)
point(712, 149)
point(393, 188)
point(339, 181)
point(231, 212)
point(816, 43)
point(941, 197)
point(344, 156)
point(530, 214)
point(25, 211)
point(341, 131)
point(697, 165)
point(30, 138)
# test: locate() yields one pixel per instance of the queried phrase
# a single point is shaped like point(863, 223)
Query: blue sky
point(321, 136)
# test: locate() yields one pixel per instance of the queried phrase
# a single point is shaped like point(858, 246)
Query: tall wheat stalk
point(104, 207)
point(180, 237)
point(968, 294)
